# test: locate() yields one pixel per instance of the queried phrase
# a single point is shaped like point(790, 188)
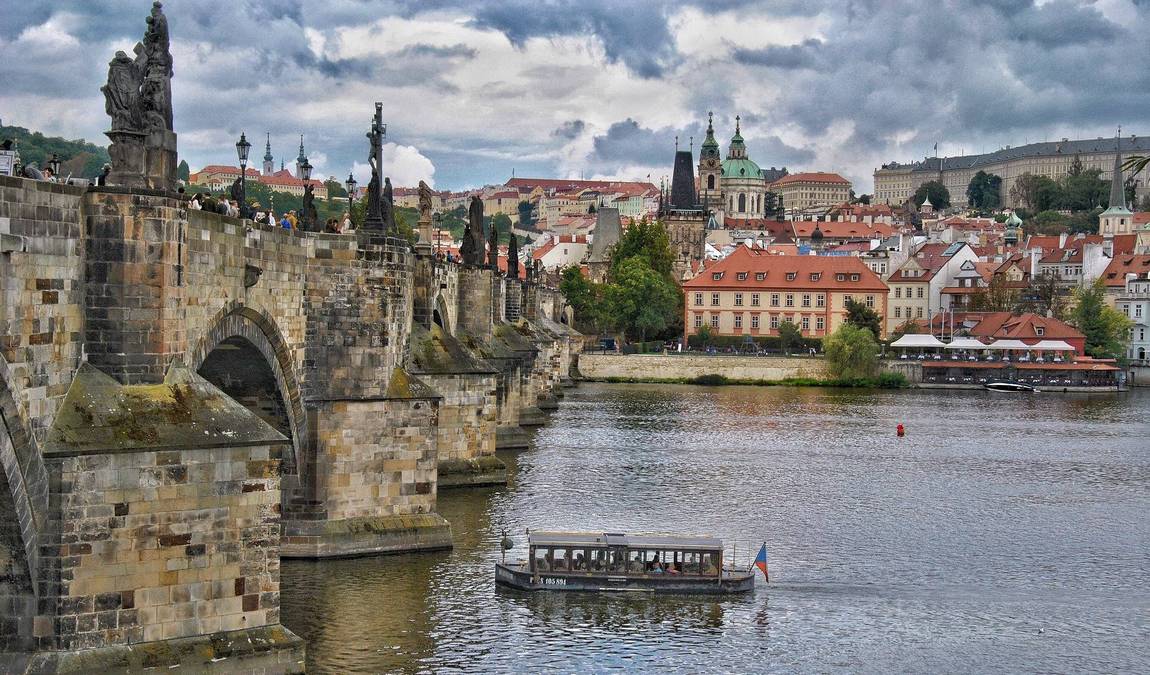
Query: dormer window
point(815, 276)
point(840, 277)
point(759, 276)
point(854, 277)
point(1039, 331)
point(791, 276)
point(716, 276)
point(741, 276)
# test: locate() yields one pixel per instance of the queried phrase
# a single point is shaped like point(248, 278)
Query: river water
point(1004, 532)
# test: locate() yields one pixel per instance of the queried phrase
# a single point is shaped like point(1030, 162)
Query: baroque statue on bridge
point(138, 98)
point(374, 219)
point(424, 201)
point(493, 247)
point(512, 257)
point(472, 247)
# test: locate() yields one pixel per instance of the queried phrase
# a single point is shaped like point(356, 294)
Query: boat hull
point(514, 576)
point(1010, 386)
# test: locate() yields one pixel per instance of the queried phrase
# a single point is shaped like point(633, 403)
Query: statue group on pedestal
point(138, 95)
point(380, 214)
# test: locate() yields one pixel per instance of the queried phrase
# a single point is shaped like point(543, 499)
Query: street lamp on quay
point(242, 149)
point(351, 185)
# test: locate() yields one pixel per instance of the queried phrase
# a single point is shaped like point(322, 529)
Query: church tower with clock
point(710, 170)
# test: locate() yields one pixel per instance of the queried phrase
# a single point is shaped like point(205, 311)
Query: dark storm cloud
point(629, 143)
point(804, 55)
point(569, 131)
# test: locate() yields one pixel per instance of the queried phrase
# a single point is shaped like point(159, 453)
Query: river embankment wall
point(686, 366)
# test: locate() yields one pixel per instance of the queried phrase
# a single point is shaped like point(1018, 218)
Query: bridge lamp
point(305, 170)
point(242, 149)
point(351, 185)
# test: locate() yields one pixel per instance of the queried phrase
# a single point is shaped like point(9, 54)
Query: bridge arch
point(244, 336)
point(440, 316)
point(23, 500)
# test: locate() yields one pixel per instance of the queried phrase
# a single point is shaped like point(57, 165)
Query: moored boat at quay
point(587, 561)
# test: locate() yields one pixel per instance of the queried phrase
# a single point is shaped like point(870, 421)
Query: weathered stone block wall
point(41, 295)
point(133, 259)
point(682, 366)
point(513, 299)
point(159, 545)
point(467, 414)
point(375, 458)
point(475, 302)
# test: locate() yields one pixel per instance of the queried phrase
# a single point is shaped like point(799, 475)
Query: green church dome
point(741, 168)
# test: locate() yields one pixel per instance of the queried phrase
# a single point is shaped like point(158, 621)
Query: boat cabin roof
point(576, 539)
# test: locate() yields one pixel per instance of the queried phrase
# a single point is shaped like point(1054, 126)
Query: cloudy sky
point(595, 88)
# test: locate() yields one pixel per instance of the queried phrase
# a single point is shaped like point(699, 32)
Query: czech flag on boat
point(761, 561)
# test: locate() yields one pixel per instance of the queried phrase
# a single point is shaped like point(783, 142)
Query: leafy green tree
point(1106, 329)
point(641, 300)
point(584, 297)
point(852, 352)
point(790, 337)
point(1038, 193)
point(77, 157)
point(1046, 295)
point(335, 188)
point(858, 314)
point(984, 191)
point(939, 195)
point(526, 217)
point(183, 171)
point(704, 334)
point(647, 239)
point(502, 224)
point(998, 296)
point(1082, 191)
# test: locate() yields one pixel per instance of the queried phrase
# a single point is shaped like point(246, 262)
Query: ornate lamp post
point(351, 185)
point(305, 170)
point(242, 149)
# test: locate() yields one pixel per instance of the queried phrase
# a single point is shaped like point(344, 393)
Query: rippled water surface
point(1005, 532)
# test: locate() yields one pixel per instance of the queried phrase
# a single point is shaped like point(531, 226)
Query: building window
point(920, 292)
point(698, 298)
point(840, 277)
point(897, 292)
point(820, 300)
point(819, 323)
point(870, 301)
point(738, 299)
point(754, 322)
point(918, 313)
point(847, 300)
point(790, 299)
point(1039, 331)
point(714, 299)
point(815, 276)
point(711, 182)
point(698, 321)
point(741, 276)
point(774, 321)
point(791, 276)
point(898, 312)
point(774, 299)
point(754, 299)
point(806, 300)
point(738, 321)
point(759, 276)
point(717, 276)
point(806, 323)
point(715, 321)
point(854, 277)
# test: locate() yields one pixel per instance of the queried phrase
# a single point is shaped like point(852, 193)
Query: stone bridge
point(187, 398)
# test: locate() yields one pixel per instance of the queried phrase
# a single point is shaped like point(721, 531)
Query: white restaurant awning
point(965, 343)
point(1009, 344)
point(917, 341)
point(1053, 346)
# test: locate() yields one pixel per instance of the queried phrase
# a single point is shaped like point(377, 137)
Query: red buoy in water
point(901, 432)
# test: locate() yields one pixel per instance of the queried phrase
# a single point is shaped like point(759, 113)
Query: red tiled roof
point(778, 267)
point(223, 168)
point(567, 184)
point(1124, 243)
point(1142, 218)
point(1121, 265)
point(812, 177)
point(1063, 255)
point(1010, 326)
point(842, 230)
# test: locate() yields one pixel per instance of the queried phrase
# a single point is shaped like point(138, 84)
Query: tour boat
point(1009, 386)
point(587, 561)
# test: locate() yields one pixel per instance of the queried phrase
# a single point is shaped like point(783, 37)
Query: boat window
point(617, 559)
point(581, 559)
point(559, 560)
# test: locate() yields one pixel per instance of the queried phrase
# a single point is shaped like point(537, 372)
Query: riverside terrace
point(966, 362)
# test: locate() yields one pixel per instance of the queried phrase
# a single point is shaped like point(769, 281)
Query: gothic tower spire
point(269, 161)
